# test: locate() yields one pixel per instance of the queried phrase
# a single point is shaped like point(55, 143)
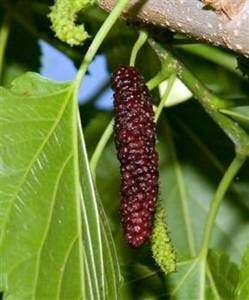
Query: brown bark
point(227, 26)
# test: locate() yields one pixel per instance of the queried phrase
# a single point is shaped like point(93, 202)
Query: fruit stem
point(165, 96)
point(98, 39)
point(101, 145)
point(142, 38)
point(156, 80)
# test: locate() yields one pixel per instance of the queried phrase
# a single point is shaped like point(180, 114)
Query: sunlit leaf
point(103, 278)
point(41, 242)
point(91, 227)
point(45, 212)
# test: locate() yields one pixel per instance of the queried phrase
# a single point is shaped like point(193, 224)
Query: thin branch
point(101, 145)
point(98, 39)
point(165, 96)
point(210, 102)
point(142, 38)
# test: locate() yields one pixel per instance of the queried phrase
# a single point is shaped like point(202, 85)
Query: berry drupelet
point(135, 142)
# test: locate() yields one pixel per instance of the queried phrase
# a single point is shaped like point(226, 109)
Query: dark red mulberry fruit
point(135, 142)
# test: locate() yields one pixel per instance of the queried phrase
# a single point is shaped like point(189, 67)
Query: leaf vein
point(50, 214)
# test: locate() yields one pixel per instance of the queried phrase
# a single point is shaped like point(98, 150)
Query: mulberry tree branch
point(227, 28)
point(210, 102)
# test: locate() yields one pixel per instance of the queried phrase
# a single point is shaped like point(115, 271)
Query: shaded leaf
point(189, 177)
point(219, 79)
point(239, 113)
point(218, 282)
point(243, 65)
point(190, 170)
point(242, 292)
point(188, 282)
point(223, 275)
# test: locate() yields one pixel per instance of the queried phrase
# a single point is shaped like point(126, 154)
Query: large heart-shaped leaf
point(53, 228)
point(41, 240)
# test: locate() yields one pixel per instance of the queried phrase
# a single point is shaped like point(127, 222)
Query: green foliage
point(40, 199)
point(225, 275)
point(242, 291)
point(239, 114)
point(41, 239)
point(60, 233)
point(219, 283)
point(188, 282)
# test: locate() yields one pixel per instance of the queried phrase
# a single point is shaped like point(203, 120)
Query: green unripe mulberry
point(63, 17)
point(162, 249)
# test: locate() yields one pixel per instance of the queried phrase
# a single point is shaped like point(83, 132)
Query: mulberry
point(135, 142)
point(162, 249)
point(63, 17)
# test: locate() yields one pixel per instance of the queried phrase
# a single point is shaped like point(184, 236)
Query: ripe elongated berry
point(135, 142)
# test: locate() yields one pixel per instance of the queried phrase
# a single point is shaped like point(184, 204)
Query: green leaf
point(189, 176)
point(187, 282)
point(113, 278)
point(40, 237)
point(93, 251)
point(242, 292)
point(219, 282)
point(42, 197)
point(111, 265)
point(226, 80)
point(186, 202)
point(100, 252)
point(223, 275)
point(239, 113)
